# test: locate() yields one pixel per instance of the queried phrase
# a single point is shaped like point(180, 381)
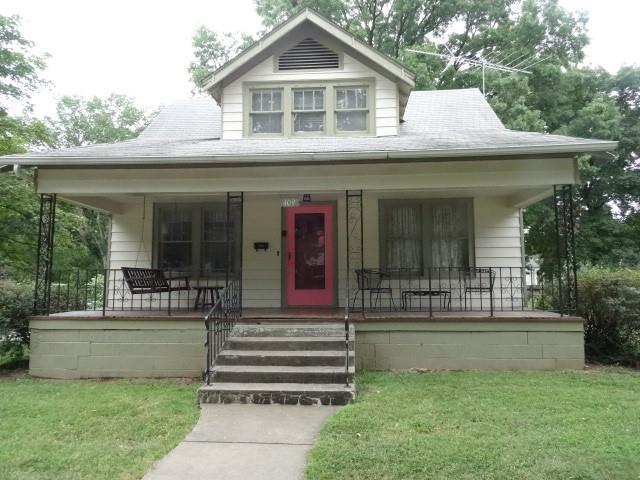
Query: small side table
point(441, 294)
point(207, 295)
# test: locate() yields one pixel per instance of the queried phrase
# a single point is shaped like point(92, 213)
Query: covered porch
point(331, 252)
point(404, 262)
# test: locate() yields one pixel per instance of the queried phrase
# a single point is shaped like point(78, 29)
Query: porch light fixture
point(306, 197)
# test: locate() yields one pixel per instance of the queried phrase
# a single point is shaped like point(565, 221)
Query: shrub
point(16, 304)
point(609, 301)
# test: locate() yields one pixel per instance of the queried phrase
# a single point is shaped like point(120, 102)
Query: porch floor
point(320, 314)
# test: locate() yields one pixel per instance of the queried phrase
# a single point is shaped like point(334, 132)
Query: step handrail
point(219, 321)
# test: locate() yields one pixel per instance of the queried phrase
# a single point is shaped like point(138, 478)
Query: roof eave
point(306, 157)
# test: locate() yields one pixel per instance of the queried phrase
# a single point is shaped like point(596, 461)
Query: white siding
point(497, 233)
point(497, 243)
point(131, 237)
point(386, 98)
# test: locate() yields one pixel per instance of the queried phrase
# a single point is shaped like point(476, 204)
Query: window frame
point(294, 111)
point(337, 110)
point(197, 242)
point(426, 208)
point(329, 87)
point(252, 113)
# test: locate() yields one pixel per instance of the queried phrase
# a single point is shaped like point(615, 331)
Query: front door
point(309, 256)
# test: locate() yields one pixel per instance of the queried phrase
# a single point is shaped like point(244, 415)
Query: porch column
point(354, 243)
point(566, 264)
point(44, 254)
point(235, 214)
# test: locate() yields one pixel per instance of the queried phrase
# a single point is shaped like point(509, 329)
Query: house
point(311, 185)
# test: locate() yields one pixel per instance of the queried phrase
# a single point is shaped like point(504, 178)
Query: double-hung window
point(266, 111)
point(352, 109)
point(418, 234)
point(192, 238)
point(308, 110)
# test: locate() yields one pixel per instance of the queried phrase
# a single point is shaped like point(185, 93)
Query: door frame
point(283, 255)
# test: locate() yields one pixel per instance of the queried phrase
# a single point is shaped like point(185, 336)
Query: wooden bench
point(152, 280)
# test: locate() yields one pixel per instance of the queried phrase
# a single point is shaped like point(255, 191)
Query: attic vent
point(308, 55)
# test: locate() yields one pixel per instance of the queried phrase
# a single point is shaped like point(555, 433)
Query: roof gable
point(309, 24)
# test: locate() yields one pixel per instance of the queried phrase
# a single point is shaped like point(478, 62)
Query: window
point(266, 111)
point(308, 110)
point(415, 234)
point(192, 238)
point(352, 109)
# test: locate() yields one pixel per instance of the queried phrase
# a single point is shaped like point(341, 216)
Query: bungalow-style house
point(310, 216)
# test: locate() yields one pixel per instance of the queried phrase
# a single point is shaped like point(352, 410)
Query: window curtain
point(404, 237)
point(450, 243)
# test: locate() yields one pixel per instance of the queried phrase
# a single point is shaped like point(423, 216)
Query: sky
point(143, 48)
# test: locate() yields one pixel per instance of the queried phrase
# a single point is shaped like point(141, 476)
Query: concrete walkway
point(245, 442)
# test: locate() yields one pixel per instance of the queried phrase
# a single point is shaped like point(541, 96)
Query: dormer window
point(266, 111)
point(352, 109)
point(308, 110)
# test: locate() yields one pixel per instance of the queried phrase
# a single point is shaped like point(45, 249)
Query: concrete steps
point(291, 358)
point(284, 363)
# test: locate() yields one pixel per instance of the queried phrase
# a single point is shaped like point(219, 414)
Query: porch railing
point(106, 290)
point(431, 290)
point(219, 321)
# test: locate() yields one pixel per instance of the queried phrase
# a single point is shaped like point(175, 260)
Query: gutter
point(314, 157)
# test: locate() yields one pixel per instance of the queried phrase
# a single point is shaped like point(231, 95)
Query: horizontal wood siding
point(497, 239)
point(386, 98)
point(131, 237)
point(498, 231)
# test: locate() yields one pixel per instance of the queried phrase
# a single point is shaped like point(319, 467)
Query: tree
point(19, 67)
point(98, 120)
point(20, 70)
point(212, 50)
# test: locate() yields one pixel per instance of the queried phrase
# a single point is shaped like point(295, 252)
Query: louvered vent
point(308, 55)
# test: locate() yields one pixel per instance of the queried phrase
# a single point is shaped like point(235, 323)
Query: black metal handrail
point(219, 321)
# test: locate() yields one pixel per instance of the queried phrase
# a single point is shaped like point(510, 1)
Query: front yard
point(474, 425)
point(446, 425)
point(90, 429)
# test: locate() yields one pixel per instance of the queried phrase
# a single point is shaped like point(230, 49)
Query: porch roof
point(443, 124)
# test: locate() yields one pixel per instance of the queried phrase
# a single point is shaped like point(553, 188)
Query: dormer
point(308, 78)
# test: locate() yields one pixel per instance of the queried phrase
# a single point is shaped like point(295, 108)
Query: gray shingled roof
point(442, 123)
point(197, 117)
point(454, 110)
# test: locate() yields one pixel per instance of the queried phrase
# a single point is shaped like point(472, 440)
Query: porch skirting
point(174, 347)
point(478, 344)
point(125, 348)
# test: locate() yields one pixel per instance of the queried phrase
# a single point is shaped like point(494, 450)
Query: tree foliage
point(19, 67)
point(83, 121)
point(211, 50)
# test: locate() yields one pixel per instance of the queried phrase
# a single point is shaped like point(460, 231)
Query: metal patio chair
point(370, 280)
point(478, 280)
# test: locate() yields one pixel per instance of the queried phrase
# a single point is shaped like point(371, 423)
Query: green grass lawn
point(90, 429)
point(473, 425)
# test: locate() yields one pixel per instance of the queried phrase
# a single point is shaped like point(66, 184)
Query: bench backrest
point(145, 279)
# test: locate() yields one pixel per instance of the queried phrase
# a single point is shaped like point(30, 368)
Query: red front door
point(309, 257)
